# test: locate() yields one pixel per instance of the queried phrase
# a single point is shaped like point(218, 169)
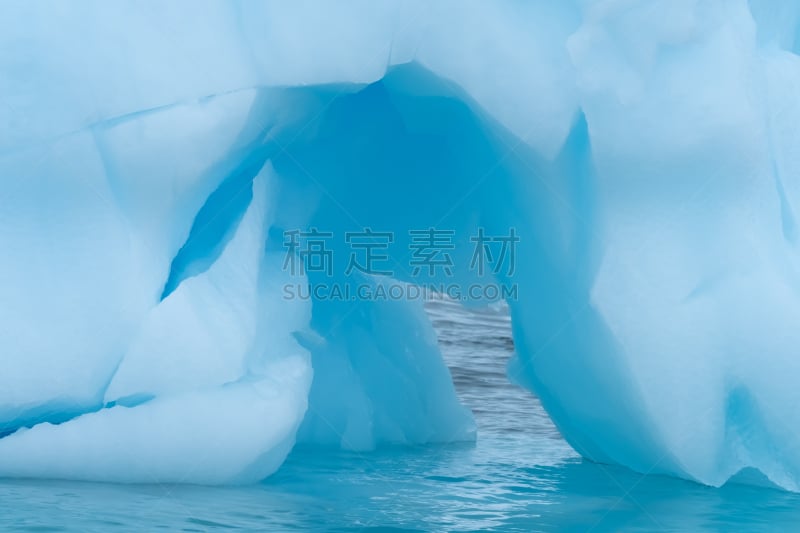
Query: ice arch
point(143, 203)
point(415, 151)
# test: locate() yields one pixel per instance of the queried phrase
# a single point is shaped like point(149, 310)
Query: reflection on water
point(519, 476)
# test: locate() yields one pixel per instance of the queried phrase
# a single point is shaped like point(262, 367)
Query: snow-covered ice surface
point(152, 154)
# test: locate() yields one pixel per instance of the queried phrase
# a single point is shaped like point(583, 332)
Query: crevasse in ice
point(152, 155)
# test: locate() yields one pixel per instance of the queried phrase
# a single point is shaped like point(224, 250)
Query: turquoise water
point(519, 476)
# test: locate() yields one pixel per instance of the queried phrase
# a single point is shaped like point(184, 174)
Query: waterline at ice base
point(212, 216)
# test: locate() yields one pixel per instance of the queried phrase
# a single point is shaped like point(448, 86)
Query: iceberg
point(153, 158)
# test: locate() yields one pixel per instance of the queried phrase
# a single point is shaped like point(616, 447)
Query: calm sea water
point(519, 476)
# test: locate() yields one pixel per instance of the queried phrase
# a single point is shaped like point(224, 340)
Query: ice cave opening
point(409, 151)
point(638, 244)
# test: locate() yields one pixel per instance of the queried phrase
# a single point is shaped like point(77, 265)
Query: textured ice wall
point(647, 151)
